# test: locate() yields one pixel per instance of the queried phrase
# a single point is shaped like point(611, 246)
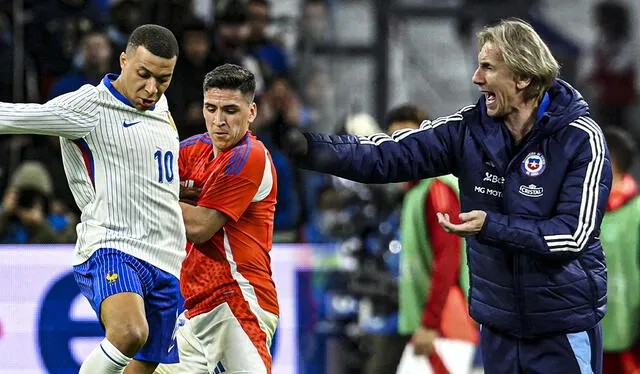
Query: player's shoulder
point(196, 141)
point(83, 94)
point(248, 155)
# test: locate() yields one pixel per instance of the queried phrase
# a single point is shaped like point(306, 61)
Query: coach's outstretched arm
point(579, 210)
point(406, 155)
point(73, 115)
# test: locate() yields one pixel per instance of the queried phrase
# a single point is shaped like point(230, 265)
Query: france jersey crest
point(533, 164)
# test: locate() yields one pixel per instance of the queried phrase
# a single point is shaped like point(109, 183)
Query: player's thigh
point(192, 359)
point(114, 288)
point(161, 313)
point(235, 339)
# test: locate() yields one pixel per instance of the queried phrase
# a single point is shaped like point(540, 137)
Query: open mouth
point(490, 98)
point(148, 103)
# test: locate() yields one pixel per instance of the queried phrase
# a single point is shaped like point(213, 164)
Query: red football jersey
point(235, 262)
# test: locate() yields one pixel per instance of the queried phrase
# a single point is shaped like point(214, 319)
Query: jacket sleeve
point(579, 210)
point(428, 151)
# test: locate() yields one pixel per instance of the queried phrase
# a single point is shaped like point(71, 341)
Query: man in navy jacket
point(534, 177)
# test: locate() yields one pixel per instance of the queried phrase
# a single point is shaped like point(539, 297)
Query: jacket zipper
point(517, 271)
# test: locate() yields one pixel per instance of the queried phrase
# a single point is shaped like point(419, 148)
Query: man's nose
point(477, 77)
point(151, 86)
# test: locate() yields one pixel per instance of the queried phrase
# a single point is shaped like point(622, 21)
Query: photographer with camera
point(25, 216)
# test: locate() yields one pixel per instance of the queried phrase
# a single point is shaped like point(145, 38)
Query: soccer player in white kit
point(120, 151)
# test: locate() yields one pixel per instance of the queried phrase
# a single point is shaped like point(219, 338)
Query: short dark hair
point(622, 147)
point(231, 77)
point(406, 112)
point(158, 40)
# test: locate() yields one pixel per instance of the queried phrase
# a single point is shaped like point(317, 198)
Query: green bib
point(620, 237)
point(416, 257)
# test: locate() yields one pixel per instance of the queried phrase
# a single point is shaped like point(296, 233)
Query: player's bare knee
point(129, 339)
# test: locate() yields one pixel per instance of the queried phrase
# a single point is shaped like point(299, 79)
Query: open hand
point(470, 223)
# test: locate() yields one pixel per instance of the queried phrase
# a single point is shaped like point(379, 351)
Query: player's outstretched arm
point(73, 115)
point(429, 151)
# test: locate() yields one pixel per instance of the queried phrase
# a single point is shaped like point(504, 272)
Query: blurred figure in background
point(124, 17)
point(314, 30)
point(26, 217)
point(621, 241)
point(280, 107)
point(269, 53)
point(430, 261)
point(232, 33)
point(96, 60)
point(196, 61)
point(318, 110)
point(53, 33)
point(610, 71)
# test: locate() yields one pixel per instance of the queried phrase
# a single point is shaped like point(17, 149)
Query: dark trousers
point(577, 353)
point(385, 353)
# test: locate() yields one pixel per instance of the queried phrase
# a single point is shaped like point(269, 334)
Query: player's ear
point(123, 60)
point(253, 112)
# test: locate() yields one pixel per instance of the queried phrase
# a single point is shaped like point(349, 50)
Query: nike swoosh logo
point(125, 124)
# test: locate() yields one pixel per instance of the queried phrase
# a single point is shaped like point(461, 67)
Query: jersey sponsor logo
point(487, 191)
point(129, 124)
point(492, 178)
point(533, 164)
point(112, 277)
point(531, 190)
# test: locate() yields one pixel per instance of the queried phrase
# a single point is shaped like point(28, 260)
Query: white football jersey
point(122, 167)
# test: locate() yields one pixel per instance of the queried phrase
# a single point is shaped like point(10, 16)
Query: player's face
point(496, 82)
point(144, 77)
point(227, 114)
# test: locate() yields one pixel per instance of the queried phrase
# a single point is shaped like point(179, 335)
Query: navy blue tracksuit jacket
point(537, 267)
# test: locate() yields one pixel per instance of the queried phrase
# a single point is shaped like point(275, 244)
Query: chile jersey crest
point(533, 164)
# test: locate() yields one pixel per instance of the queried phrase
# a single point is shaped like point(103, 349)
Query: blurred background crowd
point(335, 66)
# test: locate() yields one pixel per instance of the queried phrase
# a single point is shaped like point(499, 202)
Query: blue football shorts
point(110, 271)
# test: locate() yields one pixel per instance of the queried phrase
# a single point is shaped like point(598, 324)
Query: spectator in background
point(621, 241)
point(317, 92)
point(172, 14)
point(96, 60)
point(196, 61)
point(124, 17)
point(26, 217)
point(279, 107)
point(314, 30)
point(269, 53)
point(329, 200)
point(232, 33)
point(610, 71)
point(53, 34)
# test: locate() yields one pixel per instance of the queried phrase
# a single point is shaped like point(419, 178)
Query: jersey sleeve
point(183, 158)
point(231, 190)
point(73, 115)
